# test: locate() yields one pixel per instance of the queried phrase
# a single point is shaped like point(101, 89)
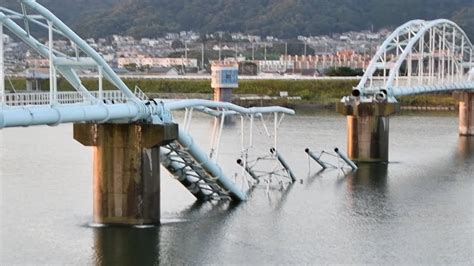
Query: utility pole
point(220, 51)
point(304, 48)
point(202, 56)
point(265, 53)
point(2, 72)
point(186, 50)
point(182, 66)
point(253, 51)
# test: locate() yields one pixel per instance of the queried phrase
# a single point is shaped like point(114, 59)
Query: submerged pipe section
point(200, 189)
point(315, 158)
point(283, 163)
point(212, 168)
point(345, 159)
point(247, 169)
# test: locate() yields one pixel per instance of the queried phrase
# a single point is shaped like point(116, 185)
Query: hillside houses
point(186, 49)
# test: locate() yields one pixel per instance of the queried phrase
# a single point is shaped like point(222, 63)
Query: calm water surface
point(417, 209)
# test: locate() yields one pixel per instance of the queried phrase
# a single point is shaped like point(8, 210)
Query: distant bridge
point(418, 57)
point(421, 57)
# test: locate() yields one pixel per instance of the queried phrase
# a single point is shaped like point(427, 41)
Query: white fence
point(70, 97)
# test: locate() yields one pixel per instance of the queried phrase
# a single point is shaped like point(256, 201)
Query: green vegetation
point(280, 18)
point(313, 92)
point(437, 99)
point(321, 91)
point(344, 72)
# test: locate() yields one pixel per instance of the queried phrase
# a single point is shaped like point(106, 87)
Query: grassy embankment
point(314, 93)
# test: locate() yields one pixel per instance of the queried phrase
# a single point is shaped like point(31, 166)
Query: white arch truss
point(420, 57)
point(60, 62)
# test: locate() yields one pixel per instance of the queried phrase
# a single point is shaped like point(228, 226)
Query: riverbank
point(301, 93)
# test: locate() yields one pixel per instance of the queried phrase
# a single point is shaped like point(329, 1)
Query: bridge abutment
point(126, 178)
point(466, 113)
point(368, 130)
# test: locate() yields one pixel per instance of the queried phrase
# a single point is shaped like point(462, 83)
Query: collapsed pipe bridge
point(130, 133)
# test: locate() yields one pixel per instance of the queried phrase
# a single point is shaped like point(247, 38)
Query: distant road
point(208, 77)
point(264, 77)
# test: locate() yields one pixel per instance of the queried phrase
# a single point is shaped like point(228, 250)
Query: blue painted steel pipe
point(345, 159)
point(53, 115)
point(176, 105)
point(315, 158)
point(187, 142)
point(247, 169)
point(283, 162)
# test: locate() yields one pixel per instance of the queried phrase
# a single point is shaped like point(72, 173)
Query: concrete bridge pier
point(368, 130)
point(223, 95)
point(466, 113)
point(126, 178)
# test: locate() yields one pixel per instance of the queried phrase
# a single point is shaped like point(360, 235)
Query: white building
point(274, 65)
point(156, 62)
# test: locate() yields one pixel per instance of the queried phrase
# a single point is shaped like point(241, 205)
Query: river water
point(417, 209)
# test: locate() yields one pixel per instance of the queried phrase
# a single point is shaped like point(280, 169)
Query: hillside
point(281, 18)
point(70, 11)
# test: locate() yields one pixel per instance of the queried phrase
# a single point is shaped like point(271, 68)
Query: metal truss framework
point(197, 170)
point(421, 57)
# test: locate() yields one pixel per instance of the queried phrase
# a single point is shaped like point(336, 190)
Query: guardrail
point(69, 97)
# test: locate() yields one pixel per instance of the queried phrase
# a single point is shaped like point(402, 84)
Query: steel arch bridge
point(420, 57)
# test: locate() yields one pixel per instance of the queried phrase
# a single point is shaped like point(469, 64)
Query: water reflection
point(368, 202)
point(367, 191)
point(126, 246)
point(373, 176)
point(466, 147)
point(277, 199)
point(200, 237)
point(200, 223)
point(209, 208)
point(314, 176)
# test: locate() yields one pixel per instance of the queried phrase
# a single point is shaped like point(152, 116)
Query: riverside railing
point(69, 97)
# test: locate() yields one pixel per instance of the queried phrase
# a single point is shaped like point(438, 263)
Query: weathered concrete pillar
point(466, 113)
point(368, 130)
point(223, 95)
point(126, 179)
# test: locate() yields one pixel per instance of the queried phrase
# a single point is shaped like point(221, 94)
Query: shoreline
point(302, 94)
point(249, 101)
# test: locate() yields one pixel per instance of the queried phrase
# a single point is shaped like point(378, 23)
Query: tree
point(344, 72)
point(177, 44)
point(131, 67)
point(248, 68)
